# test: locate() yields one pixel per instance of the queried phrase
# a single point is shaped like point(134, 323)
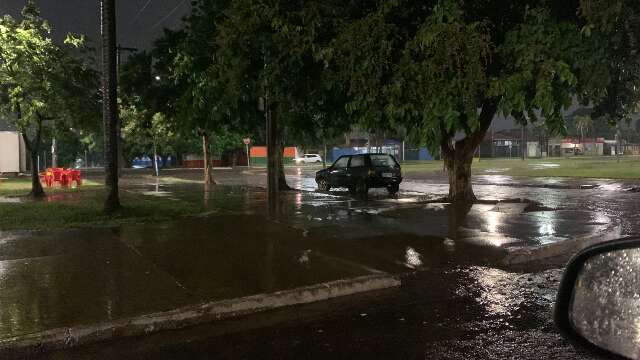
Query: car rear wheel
point(362, 187)
point(393, 189)
point(323, 185)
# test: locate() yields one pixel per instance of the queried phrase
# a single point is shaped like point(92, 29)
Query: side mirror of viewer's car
point(598, 303)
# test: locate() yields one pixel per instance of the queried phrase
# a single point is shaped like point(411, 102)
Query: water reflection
point(413, 259)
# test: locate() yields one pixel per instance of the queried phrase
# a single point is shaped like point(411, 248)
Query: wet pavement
point(447, 313)
point(457, 299)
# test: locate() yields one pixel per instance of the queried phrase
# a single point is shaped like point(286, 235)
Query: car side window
point(357, 161)
point(341, 163)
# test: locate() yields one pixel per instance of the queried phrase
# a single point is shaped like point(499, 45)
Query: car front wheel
point(393, 189)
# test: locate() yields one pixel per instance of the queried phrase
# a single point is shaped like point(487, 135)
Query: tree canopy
point(43, 86)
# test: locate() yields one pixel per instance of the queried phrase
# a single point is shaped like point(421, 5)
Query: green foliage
point(617, 22)
point(42, 86)
point(551, 63)
point(442, 76)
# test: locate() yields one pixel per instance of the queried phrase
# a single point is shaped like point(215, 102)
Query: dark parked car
point(361, 172)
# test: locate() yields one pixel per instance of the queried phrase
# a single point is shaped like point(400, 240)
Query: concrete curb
point(573, 246)
point(62, 338)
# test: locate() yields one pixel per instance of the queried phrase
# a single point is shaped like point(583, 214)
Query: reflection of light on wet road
point(298, 200)
point(609, 186)
point(496, 302)
point(413, 259)
point(547, 224)
point(501, 179)
point(600, 219)
point(493, 171)
point(493, 221)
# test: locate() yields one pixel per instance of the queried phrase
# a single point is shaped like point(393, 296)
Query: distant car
point(308, 159)
point(361, 172)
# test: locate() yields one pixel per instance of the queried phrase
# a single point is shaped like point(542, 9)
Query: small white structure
point(13, 157)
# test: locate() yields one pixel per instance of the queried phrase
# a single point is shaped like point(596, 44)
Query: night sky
point(136, 28)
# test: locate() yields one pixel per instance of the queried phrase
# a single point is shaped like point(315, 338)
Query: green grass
point(82, 207)
point(22, 186)
point(579, 167)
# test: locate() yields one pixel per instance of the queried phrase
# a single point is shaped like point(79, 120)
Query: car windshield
point(383, 160)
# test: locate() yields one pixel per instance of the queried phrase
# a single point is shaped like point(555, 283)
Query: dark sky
point(135, 28)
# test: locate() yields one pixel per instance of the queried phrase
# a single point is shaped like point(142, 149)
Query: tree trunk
point(458, 157)
point(458, 165)
point(324, 157)
point(33, 147)
point(36, 186)
point(110, 103)
point(208, 171)
point(282, 179)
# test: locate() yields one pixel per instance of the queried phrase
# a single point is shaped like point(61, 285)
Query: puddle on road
point(543, 166)
point(496, 171)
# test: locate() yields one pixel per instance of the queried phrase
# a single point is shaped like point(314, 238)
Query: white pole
point(155, 159)
point(402, 150)
point(54, 153)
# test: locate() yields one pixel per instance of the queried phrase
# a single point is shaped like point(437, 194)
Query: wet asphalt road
point(454, 304)
point(470, 313)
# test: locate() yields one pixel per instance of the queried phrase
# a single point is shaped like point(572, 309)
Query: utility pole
point(110, 103)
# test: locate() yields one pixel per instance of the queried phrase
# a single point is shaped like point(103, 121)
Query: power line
point(140, 12)
point(169, 14)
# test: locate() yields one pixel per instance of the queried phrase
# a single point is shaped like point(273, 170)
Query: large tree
point(212, 102)
point(445, 68)
point(43, 87)
point(274, 50)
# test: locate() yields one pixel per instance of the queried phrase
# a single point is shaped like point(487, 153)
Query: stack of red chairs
point(64, 177)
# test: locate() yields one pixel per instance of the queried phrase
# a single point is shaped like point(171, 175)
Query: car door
point(338, 172)
point(357, 170)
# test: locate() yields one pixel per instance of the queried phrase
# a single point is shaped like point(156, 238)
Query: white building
point(13, 154)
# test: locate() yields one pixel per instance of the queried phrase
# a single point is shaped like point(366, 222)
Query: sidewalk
point(70, 287)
